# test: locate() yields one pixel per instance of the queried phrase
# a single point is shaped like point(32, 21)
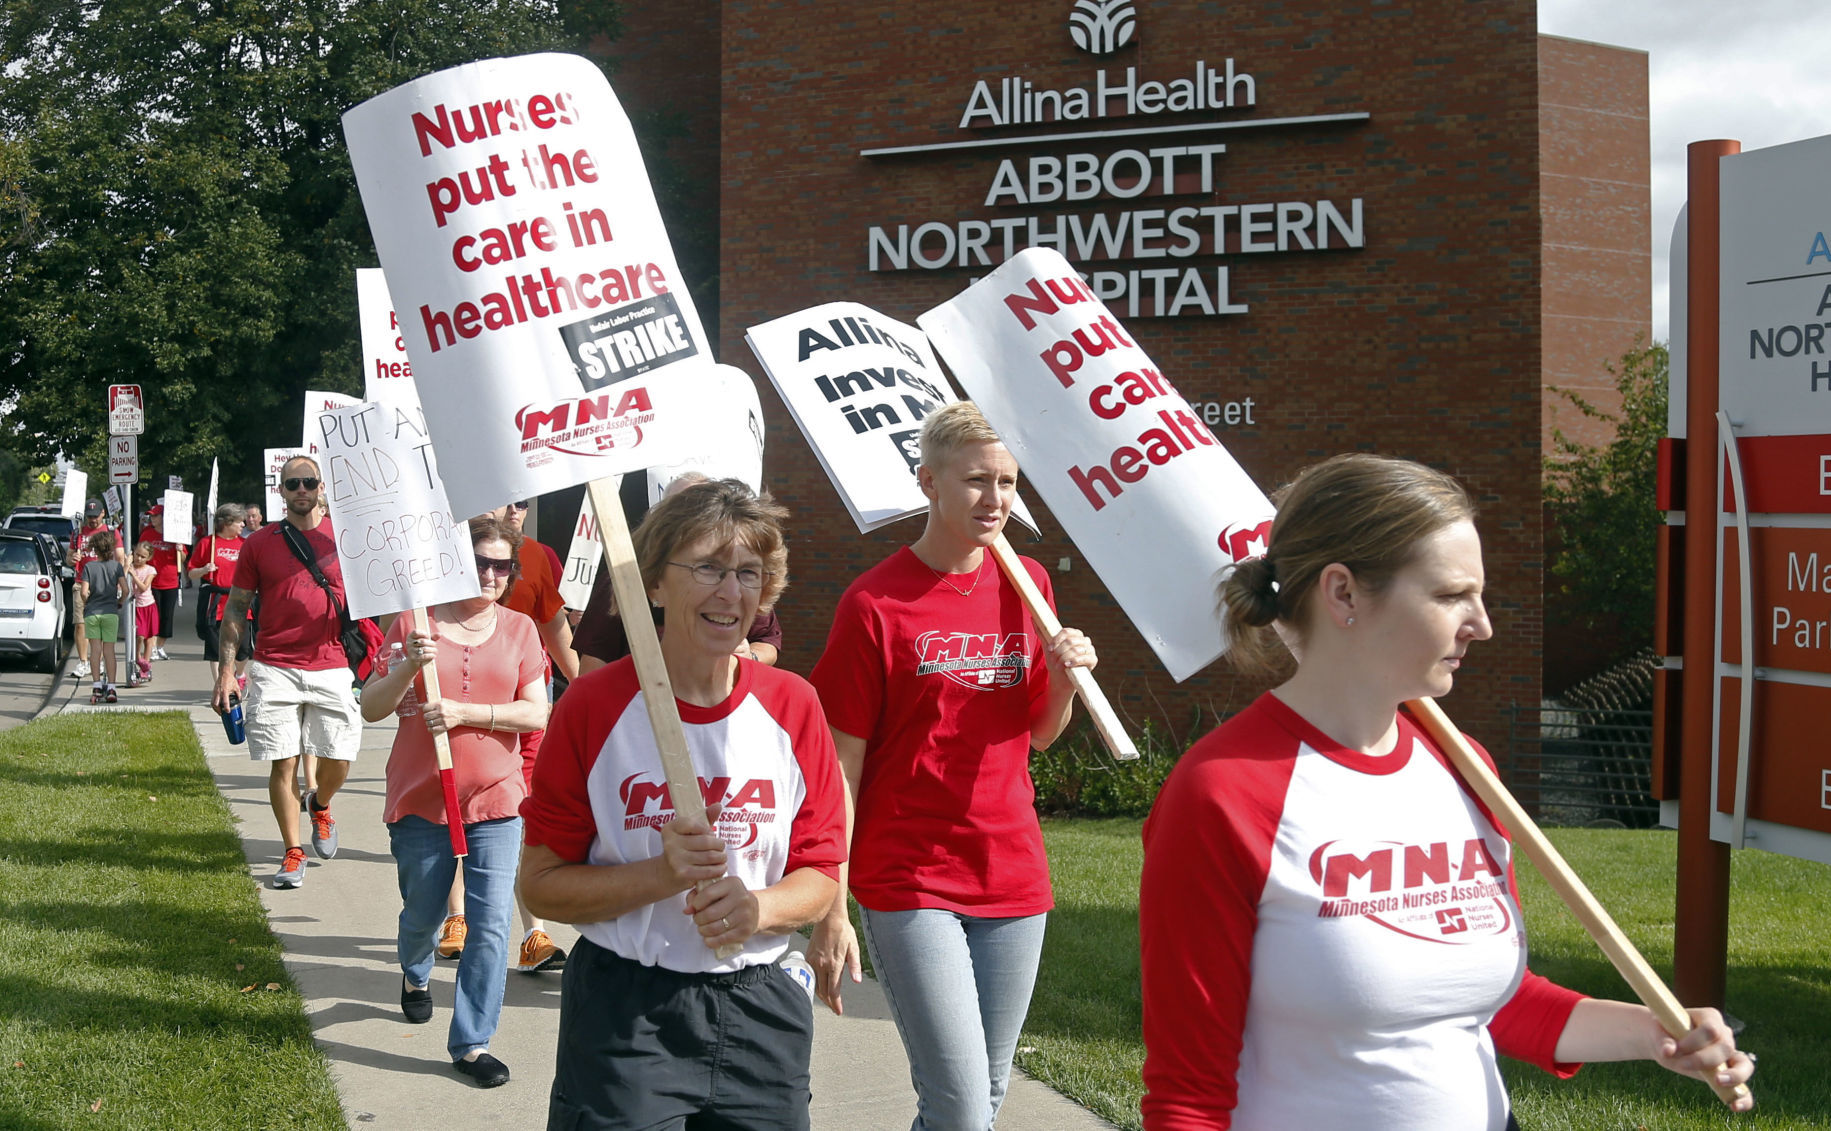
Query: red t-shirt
point(940, 686)
point(165, 557)
point(299, 628)
point(228, 554)
point(1331, 939)
point(79, 544)
point(764, 755)
point(536, 591)
point(487, 764)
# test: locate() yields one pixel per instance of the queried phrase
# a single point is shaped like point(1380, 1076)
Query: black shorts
point(644, 1048)
point(166, 601)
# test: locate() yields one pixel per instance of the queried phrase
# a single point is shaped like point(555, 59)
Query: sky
point(1752, 70)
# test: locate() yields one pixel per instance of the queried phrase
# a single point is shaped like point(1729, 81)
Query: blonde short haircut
point(725, 510)
point(952, 427)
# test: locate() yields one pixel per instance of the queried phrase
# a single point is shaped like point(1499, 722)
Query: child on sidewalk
point(146, 614)
point(105, 590)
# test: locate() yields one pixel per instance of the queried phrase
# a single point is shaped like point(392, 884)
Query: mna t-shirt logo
point(983, 661)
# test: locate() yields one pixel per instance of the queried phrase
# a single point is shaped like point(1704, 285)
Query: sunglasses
point(521, 506)
point(308, 483)
point(503, 566)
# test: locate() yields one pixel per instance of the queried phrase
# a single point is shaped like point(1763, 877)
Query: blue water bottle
point(232, 721)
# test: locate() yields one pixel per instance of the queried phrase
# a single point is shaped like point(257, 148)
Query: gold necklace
point(489, 612)
point(968, 591)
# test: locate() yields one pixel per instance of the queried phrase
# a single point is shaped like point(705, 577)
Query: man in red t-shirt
point(165, 577)
point(93, 523)
point(299, 697)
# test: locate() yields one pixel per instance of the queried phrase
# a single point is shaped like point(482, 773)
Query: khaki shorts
point(291, 711)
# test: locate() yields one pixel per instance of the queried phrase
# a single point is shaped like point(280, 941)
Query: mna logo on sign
point(1101, 27)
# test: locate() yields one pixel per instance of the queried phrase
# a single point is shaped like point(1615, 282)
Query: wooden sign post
point(645, 650)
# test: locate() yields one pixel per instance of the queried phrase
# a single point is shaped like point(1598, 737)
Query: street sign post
point(126, 410)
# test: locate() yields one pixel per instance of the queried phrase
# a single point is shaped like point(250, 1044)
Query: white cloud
point(1752, 71)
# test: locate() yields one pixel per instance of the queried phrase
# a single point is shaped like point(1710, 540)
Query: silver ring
point(1751, 1056)
point(724, 924)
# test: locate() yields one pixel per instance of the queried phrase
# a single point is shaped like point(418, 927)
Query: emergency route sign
point(126, 410)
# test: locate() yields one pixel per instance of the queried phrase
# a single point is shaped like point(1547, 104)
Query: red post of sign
point(1701, 935)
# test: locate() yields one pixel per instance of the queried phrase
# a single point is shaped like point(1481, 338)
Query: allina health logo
point(1101, 27)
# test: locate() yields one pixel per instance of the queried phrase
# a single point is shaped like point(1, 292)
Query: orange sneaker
point(451, 936)
point(538, 953)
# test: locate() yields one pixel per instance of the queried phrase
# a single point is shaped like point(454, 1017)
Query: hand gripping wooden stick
point(1105, 720)
point(441, 746)
point(1601, 927)
point(651, 668)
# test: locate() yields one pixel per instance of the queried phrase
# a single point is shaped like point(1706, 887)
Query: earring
point(1350, 622)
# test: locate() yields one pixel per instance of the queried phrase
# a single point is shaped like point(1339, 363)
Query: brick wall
point(1426, 343)
point(1595, 178)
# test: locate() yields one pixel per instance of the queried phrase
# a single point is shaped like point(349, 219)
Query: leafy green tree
point(1602, 506)
point(177, 208)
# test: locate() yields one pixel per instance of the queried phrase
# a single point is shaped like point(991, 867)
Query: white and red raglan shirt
point(1331, 940)
point(764, 754)
point(940, 686)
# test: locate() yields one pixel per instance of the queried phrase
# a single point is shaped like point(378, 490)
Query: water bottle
point(410, 703)
point(795, 964)
point(232, 721)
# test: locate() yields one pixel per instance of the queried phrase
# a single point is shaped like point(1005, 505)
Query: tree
point(1602, 506)
point(180, 211)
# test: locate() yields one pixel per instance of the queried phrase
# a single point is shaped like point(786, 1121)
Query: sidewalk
point(338, 932)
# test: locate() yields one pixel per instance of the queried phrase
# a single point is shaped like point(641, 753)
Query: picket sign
point(651, 667)
point(1633, 967)
point(1105, 719)
point(441, 747)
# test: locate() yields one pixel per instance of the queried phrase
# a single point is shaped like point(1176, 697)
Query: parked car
point(32, 608)
point(58, 527)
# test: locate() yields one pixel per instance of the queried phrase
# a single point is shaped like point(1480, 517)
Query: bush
point(1078, 777)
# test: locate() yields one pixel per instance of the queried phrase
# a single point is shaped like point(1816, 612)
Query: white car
point(32, 609)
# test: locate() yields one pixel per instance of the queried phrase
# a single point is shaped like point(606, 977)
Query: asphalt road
point(23, 691)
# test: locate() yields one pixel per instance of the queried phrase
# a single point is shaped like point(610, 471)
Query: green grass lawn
point(129, 932)
point(1082, 1036)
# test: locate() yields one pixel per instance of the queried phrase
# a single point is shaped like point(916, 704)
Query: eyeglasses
point(708, 574)
point(309, 483)
point(503, 566)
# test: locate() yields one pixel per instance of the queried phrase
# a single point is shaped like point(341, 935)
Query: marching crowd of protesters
point(894, 777)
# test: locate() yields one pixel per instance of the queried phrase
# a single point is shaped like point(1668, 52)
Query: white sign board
point(76, 487)
point(179, 526)
point(398, 542)
point(112, 503)
point(387, 375)
point(123, 459)
point(582, 558)
point(126, 410)
point(1139, 483)
point(727, 438)
point(539, 297)
point(1774, 352)
point(317, 402)
point(175, 482)
point(273, 461)
point(858, 384)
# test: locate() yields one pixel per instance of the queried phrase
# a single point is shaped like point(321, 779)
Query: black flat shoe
point(416, 1005)
point(486, 1070)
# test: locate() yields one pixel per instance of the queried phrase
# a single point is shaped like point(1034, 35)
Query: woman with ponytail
point(1331, 936)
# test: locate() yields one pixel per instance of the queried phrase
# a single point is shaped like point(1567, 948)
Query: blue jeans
point(425, 866)
point(958, 988)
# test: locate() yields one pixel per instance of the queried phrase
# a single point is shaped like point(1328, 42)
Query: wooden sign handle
point(651, 668)
point(1105, 720)
point(1550, 863)
point(441, 745)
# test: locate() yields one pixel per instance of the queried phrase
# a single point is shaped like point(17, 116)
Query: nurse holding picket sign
point(934, 731)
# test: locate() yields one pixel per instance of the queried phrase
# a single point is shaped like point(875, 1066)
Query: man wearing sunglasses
point(298, 697)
